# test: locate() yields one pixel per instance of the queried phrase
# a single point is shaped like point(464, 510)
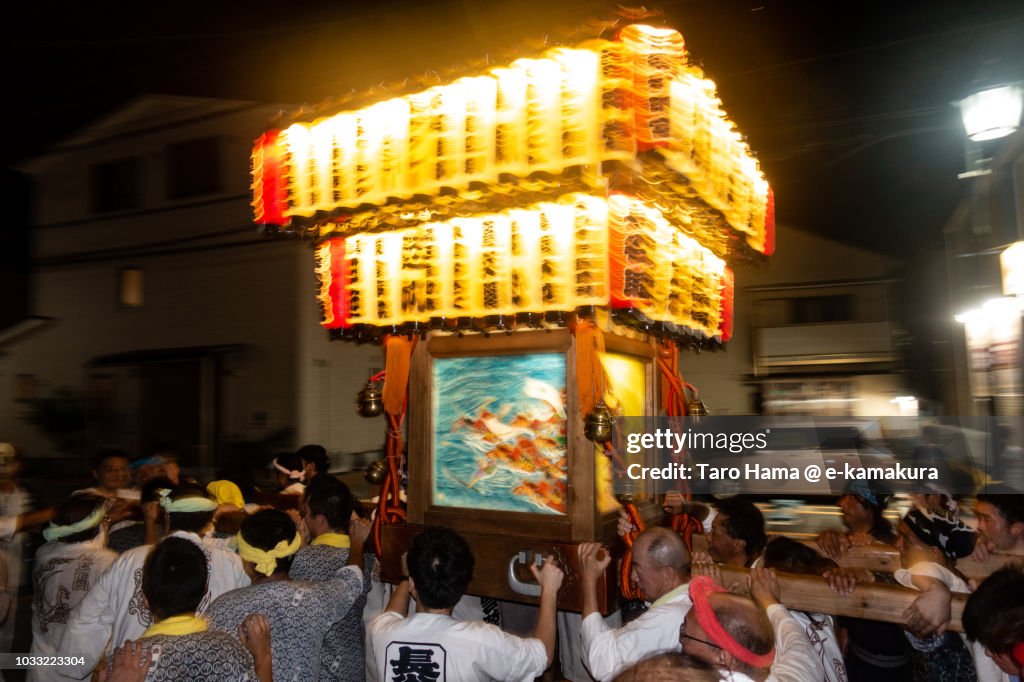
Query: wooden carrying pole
point(884, 558)
point(872, 601)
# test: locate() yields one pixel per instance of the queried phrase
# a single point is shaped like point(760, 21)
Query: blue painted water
point(499, 433)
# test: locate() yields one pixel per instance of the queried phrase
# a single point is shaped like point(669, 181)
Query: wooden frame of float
point(498, 536)
point(582, 521)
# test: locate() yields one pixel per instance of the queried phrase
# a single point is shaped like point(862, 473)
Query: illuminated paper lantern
point(603, 175)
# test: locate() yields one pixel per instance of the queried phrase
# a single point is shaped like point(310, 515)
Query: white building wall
point(722, 377)
point(207, 291)
point(331, 374)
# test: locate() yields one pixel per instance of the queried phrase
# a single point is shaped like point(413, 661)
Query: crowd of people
point(150, 575)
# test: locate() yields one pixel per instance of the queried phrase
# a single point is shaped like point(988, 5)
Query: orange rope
point(687, 526)
point(398, 357)
point(626, 587)
point(673, 388)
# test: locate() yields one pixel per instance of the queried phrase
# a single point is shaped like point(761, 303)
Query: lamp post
point(988, 114)
point(992, 331)
point(993, 112)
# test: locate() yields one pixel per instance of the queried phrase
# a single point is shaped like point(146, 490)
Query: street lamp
point(993, 112)
point(992, 332)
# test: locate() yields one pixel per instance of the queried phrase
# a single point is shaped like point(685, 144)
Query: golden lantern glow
point(570, 108)
point(604, 175)
point(552, 256)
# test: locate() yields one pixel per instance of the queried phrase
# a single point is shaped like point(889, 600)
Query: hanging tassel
point(687, 526)
point(590, 379)
point(398, 358)
point(673, 391)
point(626, 587)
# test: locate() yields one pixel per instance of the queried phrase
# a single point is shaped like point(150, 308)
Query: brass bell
point(370, 402)
point(695, 409)
point(376, 472)
point(597, 426)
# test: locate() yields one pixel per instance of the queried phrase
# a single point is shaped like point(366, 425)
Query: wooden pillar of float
point(499, 537)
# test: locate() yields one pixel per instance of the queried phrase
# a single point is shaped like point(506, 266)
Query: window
point(193, 168)
point(131, 287)
point(822, 309)
point(115, 185)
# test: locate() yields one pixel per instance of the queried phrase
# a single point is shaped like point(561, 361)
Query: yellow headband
point(226, 492)
point(266, 559)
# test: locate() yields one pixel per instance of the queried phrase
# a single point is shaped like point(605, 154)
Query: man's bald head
point(665, 549)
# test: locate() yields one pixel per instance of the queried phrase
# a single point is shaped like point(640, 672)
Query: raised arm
point(550, 577)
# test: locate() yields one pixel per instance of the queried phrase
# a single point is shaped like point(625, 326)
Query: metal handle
point(517, 585)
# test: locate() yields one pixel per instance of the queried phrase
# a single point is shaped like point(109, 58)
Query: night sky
point(848, 105)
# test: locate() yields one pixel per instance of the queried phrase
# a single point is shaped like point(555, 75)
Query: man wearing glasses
point(747, 638)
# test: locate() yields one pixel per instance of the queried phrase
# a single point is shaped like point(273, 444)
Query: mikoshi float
point(532, 246)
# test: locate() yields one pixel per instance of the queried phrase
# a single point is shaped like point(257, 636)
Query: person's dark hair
point(1001, 588)
point(1006, 631)
point(290, 461)
point(174, 578)
point(73, 511)
point(193, 522)
point(669, 666)
point(1007, 500)
point(317, 454)
point(265, 529)
point(150, 489)
point(327, 496)
point(441, 566)
point(744, 521)
point(106, 453)
point(786, 554)
point(881, 529)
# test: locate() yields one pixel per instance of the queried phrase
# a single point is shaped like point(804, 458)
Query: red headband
point(700, 588)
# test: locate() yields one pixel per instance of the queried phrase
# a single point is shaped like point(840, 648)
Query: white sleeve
point(709, 519)
point(514, 659)
point(795, 658)
point(606, 651)
point(90, 625)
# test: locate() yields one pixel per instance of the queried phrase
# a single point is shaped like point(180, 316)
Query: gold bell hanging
point(376, 472)
point(370, 402)
point(597, 426)
point(695, 409)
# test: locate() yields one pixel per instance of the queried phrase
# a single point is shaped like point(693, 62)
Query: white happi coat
point(607, 652)
point(63, 575)
point(438, 647)
point(115, 609)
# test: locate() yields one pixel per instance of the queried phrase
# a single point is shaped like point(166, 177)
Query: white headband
point(294, 475)
point(55, 532)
